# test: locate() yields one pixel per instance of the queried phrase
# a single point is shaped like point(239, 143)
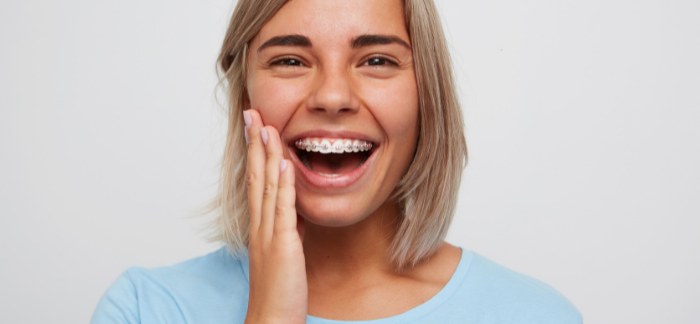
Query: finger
point(255, 176)
point(286, 212)
point(273, 156)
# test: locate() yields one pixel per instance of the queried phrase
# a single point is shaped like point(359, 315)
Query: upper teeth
point(339, 145)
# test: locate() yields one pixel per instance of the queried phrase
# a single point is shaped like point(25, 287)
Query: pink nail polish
point(283, 165)
point(263, 134)
point(247, 138)
point(247, 119)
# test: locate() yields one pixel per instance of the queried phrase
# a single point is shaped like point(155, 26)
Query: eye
point(379, 61)
point(287, 61)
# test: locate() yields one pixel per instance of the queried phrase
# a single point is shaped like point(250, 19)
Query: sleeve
point(119, 304)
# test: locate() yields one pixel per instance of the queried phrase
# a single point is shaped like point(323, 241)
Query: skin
point(332, 263)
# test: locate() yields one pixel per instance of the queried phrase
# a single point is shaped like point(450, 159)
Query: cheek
point(276, 100)
point(395, 107)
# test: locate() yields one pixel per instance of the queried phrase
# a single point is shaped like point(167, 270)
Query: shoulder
point(171, 292)
point(499, 294)
point(119, 304)
point(216, 270)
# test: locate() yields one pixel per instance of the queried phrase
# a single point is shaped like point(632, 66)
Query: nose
point(333, 93)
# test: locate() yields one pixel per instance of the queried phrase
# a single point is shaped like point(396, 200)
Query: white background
point(582, 124)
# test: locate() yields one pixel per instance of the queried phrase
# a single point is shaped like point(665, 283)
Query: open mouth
point(332, 157)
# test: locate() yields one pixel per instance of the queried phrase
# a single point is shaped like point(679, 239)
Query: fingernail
point(247, 138)
point(247, 119)
point(263, 133)
point(283, 165)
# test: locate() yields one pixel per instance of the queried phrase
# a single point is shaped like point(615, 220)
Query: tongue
point(334, 164)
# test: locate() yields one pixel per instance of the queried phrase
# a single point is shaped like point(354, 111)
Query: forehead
point(336, 21)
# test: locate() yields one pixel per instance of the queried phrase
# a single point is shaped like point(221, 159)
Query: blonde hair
point(427, 192)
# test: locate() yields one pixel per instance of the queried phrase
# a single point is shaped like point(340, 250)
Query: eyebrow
point(369, 40)
point(286, 40)
point(359, 42)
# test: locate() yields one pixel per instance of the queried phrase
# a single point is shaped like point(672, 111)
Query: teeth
point(339, 145)
point(325, 147)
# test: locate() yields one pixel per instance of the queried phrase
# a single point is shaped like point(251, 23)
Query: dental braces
point(339, 146)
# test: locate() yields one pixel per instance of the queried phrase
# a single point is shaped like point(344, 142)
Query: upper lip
point(333, 134)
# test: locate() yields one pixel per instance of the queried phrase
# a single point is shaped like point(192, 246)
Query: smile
point(325, 145)
point(328, 162)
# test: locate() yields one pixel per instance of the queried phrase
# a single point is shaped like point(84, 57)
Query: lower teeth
point(329, 175)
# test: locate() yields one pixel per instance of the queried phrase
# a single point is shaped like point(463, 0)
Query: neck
point(358, 248)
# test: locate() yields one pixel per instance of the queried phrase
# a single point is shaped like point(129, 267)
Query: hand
point(278, 288)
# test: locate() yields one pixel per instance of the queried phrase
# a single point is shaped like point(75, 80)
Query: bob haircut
point(427, 193)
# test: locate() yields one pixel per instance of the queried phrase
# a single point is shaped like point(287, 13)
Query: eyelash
point(383, 58)
point(286, 61)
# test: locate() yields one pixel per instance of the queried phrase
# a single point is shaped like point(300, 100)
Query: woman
point(338, 211)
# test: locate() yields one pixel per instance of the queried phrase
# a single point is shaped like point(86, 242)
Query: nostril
point(341, 110)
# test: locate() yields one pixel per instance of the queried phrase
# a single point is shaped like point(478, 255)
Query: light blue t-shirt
point(213, 289)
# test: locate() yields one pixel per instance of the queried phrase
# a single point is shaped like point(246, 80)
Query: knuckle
point(280, 210)
point(287, 185)
point(252, 139)
point(250, 178)
point(269, 189)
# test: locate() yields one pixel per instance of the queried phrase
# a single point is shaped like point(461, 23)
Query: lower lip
point(336, 182)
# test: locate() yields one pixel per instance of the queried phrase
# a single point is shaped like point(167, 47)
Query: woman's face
point(338, 76)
